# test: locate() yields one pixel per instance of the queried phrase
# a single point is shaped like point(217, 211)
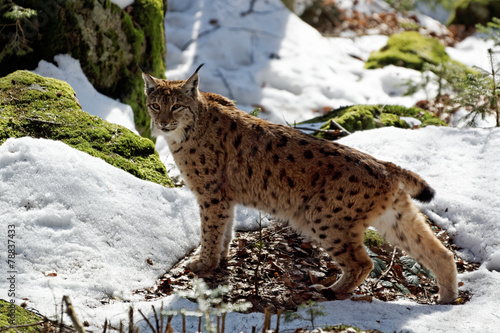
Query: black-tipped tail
point(426, 195)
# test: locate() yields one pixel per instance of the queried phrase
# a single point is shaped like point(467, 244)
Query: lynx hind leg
point(404, 225)
point(216, 219)
point(347, 249)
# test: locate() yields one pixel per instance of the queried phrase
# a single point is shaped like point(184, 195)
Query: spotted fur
point(327, 191)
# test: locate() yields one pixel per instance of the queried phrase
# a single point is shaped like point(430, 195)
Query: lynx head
point(172, 105)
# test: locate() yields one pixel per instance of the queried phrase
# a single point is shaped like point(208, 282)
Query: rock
point(108, 41)
point(471, 12)
point(411, 50)
point(32, 105)
point(361, 117)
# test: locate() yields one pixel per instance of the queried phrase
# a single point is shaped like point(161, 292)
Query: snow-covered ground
point(88, 230)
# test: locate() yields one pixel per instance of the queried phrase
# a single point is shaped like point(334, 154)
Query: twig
point(267, 319)
point(278, 316)
point(201, 34)
point(147, 321)
point(169, 328)
point(329, 132)
point(250, 10)
point(388, 268)
point(46, 121)
point(61, 324)
point(312, 129)
point(161, 318)
point(257, 269)
point(5, 328)
point(71, 313)
point(131, 320)
point(226, 84)
point(337, 125)
point(156, 320)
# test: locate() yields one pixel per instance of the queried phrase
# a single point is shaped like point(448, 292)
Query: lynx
point(327, 191)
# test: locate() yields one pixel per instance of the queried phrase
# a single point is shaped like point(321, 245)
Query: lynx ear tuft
point(191, 85)
point(149, 81)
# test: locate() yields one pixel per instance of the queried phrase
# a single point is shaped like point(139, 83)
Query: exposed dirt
point(281, 270)
point(332, 21)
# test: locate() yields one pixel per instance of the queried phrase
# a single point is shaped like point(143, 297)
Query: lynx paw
point(198, 265)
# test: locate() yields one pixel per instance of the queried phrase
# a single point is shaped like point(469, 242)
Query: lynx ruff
point(327, 191)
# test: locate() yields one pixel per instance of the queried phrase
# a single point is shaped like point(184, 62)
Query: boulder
point(108, 41)
point(32, 105)
point(9, 311)
point(411, 50)
point(471, 12)
point(362, 117)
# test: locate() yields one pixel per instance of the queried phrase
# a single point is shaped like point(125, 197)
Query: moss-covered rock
point(22, 317)
point(472, 12)
point(108, 41)
point(411, 50)
point(361, 117)
point(32, 105)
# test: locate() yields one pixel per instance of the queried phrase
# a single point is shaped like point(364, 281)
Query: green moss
point(108, 41)
point(32, 105)
point(361, 117)
point(390, 119)
point(22, 317)
point(373, 238)
point(408, 49)
point(149, 14)
point(472, 12)
point(356, 118)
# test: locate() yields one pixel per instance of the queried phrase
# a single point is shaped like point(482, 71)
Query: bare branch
point(5, 328)
point(71, 313)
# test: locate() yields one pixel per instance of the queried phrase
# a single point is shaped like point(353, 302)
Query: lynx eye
point(155, 106)
point(176, 107)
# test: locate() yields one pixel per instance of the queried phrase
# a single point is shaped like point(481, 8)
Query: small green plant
point(412, 270)
point(373, 238)
point(19, 18)
point(311, 309)
point(378, 264)
point(479, 93)
point(445, 77)
point(210, 304)
point(255, 112)
point(491, 30)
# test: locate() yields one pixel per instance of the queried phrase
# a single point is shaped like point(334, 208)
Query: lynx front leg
point(216, 217)
point(228, 235)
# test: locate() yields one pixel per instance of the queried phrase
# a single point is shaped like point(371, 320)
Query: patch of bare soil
point(332, 21)
point(278, 269)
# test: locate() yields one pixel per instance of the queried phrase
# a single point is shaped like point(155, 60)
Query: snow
point(75, 216)
point(459, 164)
point(123, 3)
point(472, 51)
point(268, 56)
point(86, 229)
point(69, 70)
